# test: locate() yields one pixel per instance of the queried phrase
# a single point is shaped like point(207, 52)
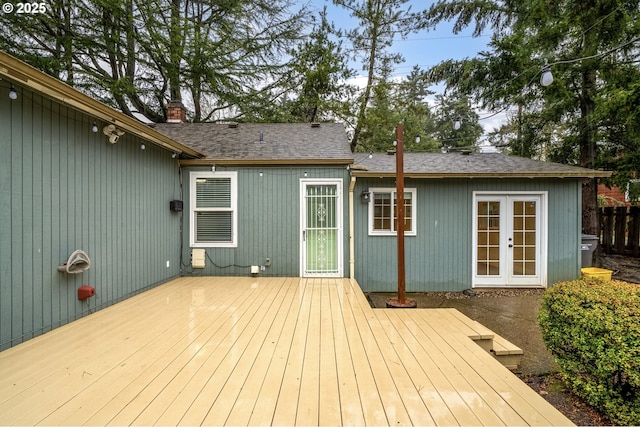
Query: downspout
point(352, 259)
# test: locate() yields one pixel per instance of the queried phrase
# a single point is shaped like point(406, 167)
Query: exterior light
point(94, 128)
point(365, 196)
point(12, 93)
point(370, 155)
point(417, 139)
point(305, 174)
point(261, 174)
point(174, 155)
point(457, 123)
point(142, 146)
point(213, 168)
point(546, 78)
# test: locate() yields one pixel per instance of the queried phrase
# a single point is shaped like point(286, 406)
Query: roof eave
point(24, 74)
point(531, 175)
point(210, 161)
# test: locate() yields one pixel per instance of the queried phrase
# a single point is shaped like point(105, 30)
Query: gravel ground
point(624, 268)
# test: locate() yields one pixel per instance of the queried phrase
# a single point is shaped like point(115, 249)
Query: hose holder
point(77, 263)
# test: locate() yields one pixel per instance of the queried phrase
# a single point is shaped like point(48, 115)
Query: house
point(146, 204)
point(67, 186)
point(272, 196)
point(616, 196)
point(472, 220)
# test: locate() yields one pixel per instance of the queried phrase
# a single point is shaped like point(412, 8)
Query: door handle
point(510, 245)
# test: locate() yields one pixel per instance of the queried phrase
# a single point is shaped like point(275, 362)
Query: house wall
point(439, 257)
point(268, 221)
point(64, 188)
point(614, 196)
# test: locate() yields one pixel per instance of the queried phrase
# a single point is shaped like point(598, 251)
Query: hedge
point(592, 327)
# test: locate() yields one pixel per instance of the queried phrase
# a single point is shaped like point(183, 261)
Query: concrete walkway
point(513, 317)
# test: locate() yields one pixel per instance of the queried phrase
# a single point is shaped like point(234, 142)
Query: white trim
point(193, 176)
point(392, 191)
point(304, 182)
point(505, 278)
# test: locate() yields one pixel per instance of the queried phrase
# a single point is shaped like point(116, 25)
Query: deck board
point(262, 351)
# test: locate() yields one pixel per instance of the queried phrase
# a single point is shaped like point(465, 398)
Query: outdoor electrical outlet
point(267, 262)
point(262, 268)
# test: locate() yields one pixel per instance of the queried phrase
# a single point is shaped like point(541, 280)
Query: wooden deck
point(264, 351)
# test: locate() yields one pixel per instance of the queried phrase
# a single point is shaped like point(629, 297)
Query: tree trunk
point(587, 134)
point(588, 153)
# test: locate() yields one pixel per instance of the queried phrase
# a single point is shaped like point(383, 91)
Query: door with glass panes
point(508, 240)
point(321, 228)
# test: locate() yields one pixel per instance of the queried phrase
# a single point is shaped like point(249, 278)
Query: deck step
point(504, 351)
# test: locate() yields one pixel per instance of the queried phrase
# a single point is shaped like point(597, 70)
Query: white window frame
point(392, 191)
point(193, 176)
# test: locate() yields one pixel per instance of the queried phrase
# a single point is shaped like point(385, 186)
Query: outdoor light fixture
point(261, 174)
point(213, 168)
point(142, 146)
point(365, 196)
point(174, 155)
point(12, 93)
point(371, 155)
point(457, 123)
point(94, 128)
point(417, 139)
point(305, 174)
point(113, 133)
point(546, 78)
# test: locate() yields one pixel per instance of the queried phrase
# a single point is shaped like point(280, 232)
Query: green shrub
point(592, 327)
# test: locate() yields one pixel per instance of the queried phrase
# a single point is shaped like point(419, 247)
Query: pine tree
point(590, 44)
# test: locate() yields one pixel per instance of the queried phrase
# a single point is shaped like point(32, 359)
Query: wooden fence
point(620, 230)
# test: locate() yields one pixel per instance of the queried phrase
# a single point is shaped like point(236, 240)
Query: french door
point(509, 237)
point(321, 220)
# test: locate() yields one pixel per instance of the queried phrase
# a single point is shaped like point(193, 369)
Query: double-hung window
point(214, 212)
point(383, 209)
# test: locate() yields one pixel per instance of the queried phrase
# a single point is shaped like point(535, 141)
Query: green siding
point(63, 188)
point(439, 257)
point(268, 221)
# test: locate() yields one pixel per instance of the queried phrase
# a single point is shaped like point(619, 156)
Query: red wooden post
point(400, 212)
point(401, 301)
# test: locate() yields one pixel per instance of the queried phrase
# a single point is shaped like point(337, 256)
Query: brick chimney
point(176, 112)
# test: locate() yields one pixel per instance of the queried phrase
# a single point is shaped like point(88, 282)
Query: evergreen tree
point(138, 55)
point(378, 23)
point(591, 44)
point(317, 86)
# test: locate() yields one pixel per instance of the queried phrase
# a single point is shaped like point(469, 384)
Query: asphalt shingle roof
point(281, 142)
point(438, 165)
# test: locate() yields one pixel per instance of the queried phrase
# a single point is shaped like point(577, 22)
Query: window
point(382, 217)
point(214, 214)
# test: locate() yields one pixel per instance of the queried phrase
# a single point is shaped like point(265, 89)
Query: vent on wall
point(315, 125)
point(233, 125)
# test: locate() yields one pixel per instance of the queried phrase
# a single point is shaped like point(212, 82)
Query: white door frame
point(304, 182)
point(506, 278)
